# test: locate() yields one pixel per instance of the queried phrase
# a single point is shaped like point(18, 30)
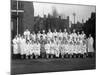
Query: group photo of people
point(56, 44)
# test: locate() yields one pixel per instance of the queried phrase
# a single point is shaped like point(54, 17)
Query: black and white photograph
point(52, 37)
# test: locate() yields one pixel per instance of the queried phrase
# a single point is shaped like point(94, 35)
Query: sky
point(82, 11)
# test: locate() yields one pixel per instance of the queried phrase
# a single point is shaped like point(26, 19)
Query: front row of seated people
point(53, 44)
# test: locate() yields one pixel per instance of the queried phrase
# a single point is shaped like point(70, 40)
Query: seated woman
point(47, 49)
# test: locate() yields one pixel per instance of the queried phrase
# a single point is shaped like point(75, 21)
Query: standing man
point(60, 35)
point(83, 36)
point(38, 35)
point(27, 34)
point(49, 35)
point(19, 45)
point(69, 38)
point(55, 34)
point(33, 36)
point(90, 45)
point(22, 45)
point(65, 34)
point(15, 47)
point(44, 35)
point(78, 37)
point(74, 36)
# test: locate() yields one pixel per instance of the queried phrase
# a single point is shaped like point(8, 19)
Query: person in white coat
point(27, 50)
point(52, 46)
point(56, 49)
point(60, 35)
point(15, 47)
point(65, 35)
point(22, 46)
point(27, 34)
point(38, 35)
point(44, 35)
point(47, 48)
point(19, 45)
point(83, 35)
point(84, 49)
point(62, 49)
point(33, 36)
point(37, 49)
point(49, 35)
point(55, 34)
point(66, 49)
point(74, 36)
point(31, 49)
point(90, 45)
point(69, 37)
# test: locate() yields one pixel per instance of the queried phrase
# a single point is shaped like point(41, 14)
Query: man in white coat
point(27, 50)
point(83, 36)
point(65, 34)
point(90, 45)
point(19, 45)
point(27, 34)
point(55, 34)
point(22, 45)
point(69, 37)
point(44, 35)
point(49, 35)
point(15, 47)
point(60, 35)
point(74, 36)
point(38, 35)
point(33, 36)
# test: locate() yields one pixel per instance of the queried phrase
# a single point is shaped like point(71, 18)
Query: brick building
point(22, 13)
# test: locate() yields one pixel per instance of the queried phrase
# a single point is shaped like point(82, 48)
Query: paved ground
point(51, 65)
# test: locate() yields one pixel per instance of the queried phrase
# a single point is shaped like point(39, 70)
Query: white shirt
point(49, 34)
point(65, 34)
point(33, 36)
point(74, 35)
point(82, 36)
point(38, 35)
point(78, 37)
point(60, 34)
point(55, 34)
point(15, 46)
point(44, 36)
point(27, 34)
point(15, 41)
point(70, 38)
point(37, 47)
point(91, 40)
